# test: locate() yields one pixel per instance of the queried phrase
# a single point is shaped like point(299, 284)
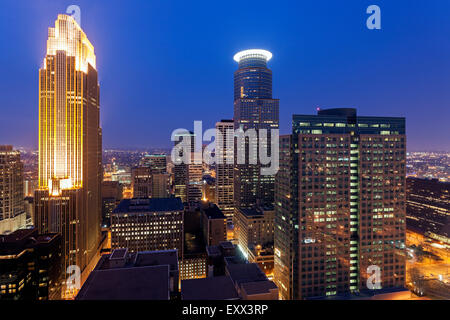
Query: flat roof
point(251, 212)
point(118, 254)
point(149, 205)
point(213, 250)
point(243, 273)
point(212, 288)
point(153, 258)
point(258, 287)
point(136, 283)
point(141, 259)
point(213, 212)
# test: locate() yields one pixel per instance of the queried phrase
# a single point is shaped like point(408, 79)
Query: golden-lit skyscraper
point(68, 200)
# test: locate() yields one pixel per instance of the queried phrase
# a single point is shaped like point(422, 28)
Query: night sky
point(163, 64)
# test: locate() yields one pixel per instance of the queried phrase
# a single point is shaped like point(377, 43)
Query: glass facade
point(340, 204)
point(254, 108)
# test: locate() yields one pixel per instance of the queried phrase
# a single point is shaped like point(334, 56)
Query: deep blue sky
point(163, 64)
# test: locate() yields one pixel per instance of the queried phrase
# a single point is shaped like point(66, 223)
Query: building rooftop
point(21, 239)
point(213, 251)
point(136, 283)
point(258, 287)
point(131, 276)
point(256, 212)
point(149, 205)
point(251, 212)
point(213, 212)
point(244, 273)
point(139, 259)
point(207, 289)
point(253, 53)
point(154, 258)
point(118, 254)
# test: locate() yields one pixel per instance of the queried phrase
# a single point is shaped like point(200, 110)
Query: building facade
point(254, 228)
point(12, 204)
point(224, 193)
point(254, 109)
point(148, 224)
point(30, 266)
point(214, 225)
point(68, 200)
point(157, 162)
point(181, 169)
point(160, 185)
point(141, 182)
point(340, 204)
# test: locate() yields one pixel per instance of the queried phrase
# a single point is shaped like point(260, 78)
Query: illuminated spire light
point(253, 53)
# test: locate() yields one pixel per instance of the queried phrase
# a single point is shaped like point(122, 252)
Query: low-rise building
point(30, 265)
point(121, 275)
point(148, 224)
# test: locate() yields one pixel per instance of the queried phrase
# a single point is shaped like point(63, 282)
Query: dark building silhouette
point(30, 265)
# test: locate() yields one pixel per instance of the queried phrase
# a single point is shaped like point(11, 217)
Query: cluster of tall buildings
point(335, 208)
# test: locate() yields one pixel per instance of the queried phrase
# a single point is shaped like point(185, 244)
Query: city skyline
point(382, 57)
point(248, 205)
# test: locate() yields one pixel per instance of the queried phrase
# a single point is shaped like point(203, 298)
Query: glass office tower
point(68, 200)
point(340, 204)
point(254, 108)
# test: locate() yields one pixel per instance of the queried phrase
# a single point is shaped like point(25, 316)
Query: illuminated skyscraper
point(255, 109)
point(68, 200)
point(340, 204)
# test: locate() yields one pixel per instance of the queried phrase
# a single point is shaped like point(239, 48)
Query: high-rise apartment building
point(254, 108)
point(12, 205)
point(225, 167)
point(340, 204)
point(68, 200)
